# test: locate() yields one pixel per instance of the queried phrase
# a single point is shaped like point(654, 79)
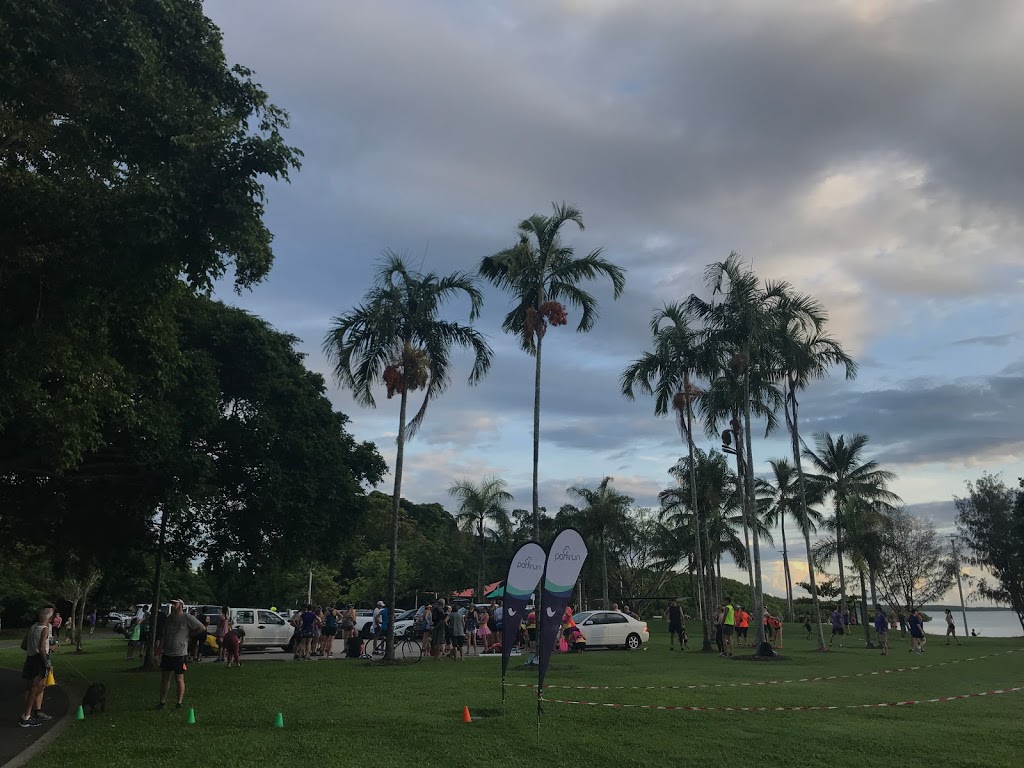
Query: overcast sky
point(869, 151)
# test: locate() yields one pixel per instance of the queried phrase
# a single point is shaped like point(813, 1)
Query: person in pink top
point(222, 630)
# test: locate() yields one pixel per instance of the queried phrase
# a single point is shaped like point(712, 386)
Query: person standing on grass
point(719, 639)
point(37, 663)
point(499, 624)
point(428, 627)
point(232, 643)
point(951, 627)
point(807, 625)
point(728, 626)
point(437, 618)
point(55, 623)
point(91, 619)
point(177, 629)
point(882, 629)
point(472, 620)
point(134, 635)
point(675, 625)
point(903, 624)
point(222, 629)
point(484, 630)
point(458, 629)
point(742, 624)
point(329, 630)
point(307, 630)
point(837, 627)
point(916, 624)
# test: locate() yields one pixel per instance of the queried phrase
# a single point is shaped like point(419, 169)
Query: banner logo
point(565, 554)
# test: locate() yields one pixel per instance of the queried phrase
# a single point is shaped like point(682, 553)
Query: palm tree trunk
point(794, 433)
point(389, 652)
point(763, 648)
point(536, 435)
point(740, 483)
point(604, 572)
point(702, 594)
point(839, 555)
point(871, 581)
point(790, 615)
point(480, 570)
point(864, 610)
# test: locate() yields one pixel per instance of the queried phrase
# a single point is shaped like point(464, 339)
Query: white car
point(612, 629)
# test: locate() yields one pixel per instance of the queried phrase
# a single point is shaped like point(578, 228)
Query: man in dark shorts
point(675, 625)
point(456, 626)
point(178, 627)
point(916, 624)
point(837, 627)
point(438, 615)
point(742, 623)
point(37, 663)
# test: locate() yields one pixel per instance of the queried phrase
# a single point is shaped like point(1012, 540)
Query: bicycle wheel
point(409, 651)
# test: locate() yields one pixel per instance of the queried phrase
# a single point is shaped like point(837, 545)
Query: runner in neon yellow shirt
point(728, 626)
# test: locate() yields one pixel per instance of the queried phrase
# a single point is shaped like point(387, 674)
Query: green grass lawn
point(355, 713)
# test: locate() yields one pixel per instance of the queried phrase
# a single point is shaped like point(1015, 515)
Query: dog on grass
point(95, 698)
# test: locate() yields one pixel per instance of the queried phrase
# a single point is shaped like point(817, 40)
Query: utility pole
point(309, 592)
point(959, 584)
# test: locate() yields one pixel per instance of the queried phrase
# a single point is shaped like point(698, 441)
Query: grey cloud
point(999, 340)
point(927, 421)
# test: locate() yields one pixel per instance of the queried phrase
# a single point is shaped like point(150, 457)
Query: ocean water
point(998, 622)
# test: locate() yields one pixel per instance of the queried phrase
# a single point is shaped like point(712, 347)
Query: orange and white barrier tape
point(765, 682)
point(889, 704)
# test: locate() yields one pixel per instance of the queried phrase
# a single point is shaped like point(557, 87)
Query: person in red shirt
point(742, 622)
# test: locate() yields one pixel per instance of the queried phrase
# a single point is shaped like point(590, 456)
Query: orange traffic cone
point(465, 715)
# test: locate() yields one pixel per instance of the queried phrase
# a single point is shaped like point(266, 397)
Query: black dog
point(95, 698)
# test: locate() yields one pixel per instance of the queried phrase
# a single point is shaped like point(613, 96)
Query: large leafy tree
point(668, 372)
point(779, 499)
point(132, 163)
point(603, 514)
point(542, 274)
point(916, 564)
point(991, 520)
point(803, 353)
point(843, 474)
point(479, 504)
point(397, 338)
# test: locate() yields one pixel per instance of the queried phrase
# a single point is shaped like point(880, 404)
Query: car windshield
point(579, 618)
point(407, 615)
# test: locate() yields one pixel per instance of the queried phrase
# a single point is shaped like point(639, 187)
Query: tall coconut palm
point(740, 326)
point(779, 498)
point(603, 515)
point(479, 504)
point(804, 353)
point(542, 274)
point(842, 474)
point(668, 373)
point(396, 338)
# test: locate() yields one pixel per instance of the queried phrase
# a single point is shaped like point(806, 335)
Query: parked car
point(612, 629)
point(263, 627)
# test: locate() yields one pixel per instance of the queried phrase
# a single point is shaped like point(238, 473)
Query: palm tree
point(395, 337)
point(604, 515)
point(541, 273)
point(804, 354)
point(480, 504)
point(779, 498)
point(740, 326)
point(668, 373)
point(842, 473)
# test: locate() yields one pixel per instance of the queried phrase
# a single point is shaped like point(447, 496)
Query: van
point(263, 627)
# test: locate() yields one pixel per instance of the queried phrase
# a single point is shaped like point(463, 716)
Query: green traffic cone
point(80, 714)
point(191, 716)
point(279, 721)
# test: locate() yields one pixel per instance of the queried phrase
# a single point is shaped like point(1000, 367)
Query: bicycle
point(408, 649)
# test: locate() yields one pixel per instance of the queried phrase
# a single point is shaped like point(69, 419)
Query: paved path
point(14, 739)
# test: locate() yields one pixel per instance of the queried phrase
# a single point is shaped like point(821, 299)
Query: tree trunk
point(389, 650)
point(764, 648)
point(702, 593)
point(871, 581)
point(480, 570)
point(790, 615)
point(864, 610)
point(740, 483)
point(154, 610)
point(536, 435)
point(794, 433)
point(839, 555)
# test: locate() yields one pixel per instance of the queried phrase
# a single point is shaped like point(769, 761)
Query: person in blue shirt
point(837, 627)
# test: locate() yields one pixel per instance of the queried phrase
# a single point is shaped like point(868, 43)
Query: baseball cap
point(380, 603)
point(178, 600)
